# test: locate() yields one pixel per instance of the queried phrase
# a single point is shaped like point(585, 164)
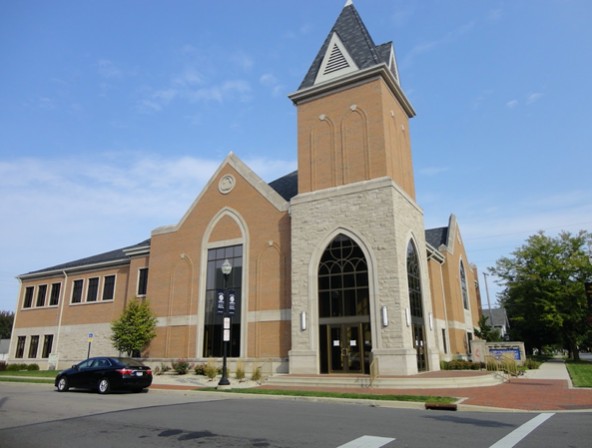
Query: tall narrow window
point(109, 287)
point(77, 291)
point(34, 345)
point(28, 301)
point(54, 297)
point(215, 282)
point(93, 289)
point(20, 347)
point(41, 292)
point(142, 281)
point(47, 345)
point(416, 306)
point(463, 286)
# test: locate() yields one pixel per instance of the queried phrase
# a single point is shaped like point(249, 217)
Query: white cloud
point(512, 104)
point(57, 210)
point(107, 69)
point(533, 97)
point(432, 170)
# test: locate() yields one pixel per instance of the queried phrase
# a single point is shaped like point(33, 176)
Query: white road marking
point(522, 431)
point(367, 442)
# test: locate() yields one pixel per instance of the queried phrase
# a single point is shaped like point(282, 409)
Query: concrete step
point(363, 381)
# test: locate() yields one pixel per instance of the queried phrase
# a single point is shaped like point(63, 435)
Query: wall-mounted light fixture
point(431, 320)
point(384, 315)
point(303, 320)
point(407, 317)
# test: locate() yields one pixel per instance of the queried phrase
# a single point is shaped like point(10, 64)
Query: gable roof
point(437, 237)
point(286, 186)
point(347, 47)
point(117, 256)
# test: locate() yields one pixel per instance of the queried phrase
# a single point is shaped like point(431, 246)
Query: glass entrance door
point(347, 348)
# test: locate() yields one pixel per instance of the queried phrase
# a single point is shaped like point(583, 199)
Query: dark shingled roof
point(356, 39)
point(286, 186)
point(105, 257)
point(437, 237)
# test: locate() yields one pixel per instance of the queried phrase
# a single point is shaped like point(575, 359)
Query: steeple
point(348, 48)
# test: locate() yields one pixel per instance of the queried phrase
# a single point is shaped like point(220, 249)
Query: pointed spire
point(348, 48)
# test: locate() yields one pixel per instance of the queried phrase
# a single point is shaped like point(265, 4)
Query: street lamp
point(224, 299)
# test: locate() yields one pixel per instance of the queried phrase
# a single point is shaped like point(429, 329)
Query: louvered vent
point(336, 61)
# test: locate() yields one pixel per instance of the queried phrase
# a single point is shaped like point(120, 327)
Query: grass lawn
point(308, 393)
point(29, 373)
point(580, 372)
point(25, 376)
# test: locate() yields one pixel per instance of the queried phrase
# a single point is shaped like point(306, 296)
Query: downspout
point(12, 338)
point(62, 300)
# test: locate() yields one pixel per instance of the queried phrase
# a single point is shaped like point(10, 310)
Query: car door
point(79, 376)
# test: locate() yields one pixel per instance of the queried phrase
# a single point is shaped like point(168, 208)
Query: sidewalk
point(545, 389)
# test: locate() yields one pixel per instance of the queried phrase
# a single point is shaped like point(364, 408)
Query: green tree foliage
point(136, 327)
point(486, 331)
point(544, 293)
point(6, 321)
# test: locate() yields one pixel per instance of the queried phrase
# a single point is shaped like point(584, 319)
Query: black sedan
point(105, 374)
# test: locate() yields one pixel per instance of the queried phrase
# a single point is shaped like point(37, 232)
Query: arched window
point(414, 281)
point(343, 280)
point(463, 286)
point(416, 305)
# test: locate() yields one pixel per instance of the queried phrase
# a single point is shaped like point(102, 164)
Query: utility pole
point(488, 302)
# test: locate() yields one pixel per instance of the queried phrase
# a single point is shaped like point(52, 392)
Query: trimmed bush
point(181, 366)
point(459, 364)
point(32, 367)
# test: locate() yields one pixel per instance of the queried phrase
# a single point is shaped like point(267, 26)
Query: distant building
point(498, 319)
point(332, 268)
point(4, 347)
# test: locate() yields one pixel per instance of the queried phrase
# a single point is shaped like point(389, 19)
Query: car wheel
point(63, 384)
point(104, 386)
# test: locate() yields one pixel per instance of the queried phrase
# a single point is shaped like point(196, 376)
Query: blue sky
point(114, 114)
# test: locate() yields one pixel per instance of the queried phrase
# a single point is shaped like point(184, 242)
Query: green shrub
point(164, 368)
point(256, 376)
point(3, 366)
point(531, 363)
point(200, 369)
point(211, 369)
point(32, 367)
point(16, 367)
point(181, 366)
point(240, 371)
point(460, 364)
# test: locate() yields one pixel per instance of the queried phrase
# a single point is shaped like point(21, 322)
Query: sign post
point(90, 339)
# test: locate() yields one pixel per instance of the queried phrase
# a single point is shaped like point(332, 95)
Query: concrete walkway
point(548, 388)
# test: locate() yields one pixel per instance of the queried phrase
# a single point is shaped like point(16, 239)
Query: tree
point(544, 293)
point(136, 327)
point(6, 321)
point(486, 331)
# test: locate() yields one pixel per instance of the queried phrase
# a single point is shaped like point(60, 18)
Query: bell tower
point(355, 214)
point(352, 114)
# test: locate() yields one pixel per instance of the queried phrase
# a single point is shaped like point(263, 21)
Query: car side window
point(85, 364)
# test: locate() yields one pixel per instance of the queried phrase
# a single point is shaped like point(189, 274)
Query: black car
point(105, 374)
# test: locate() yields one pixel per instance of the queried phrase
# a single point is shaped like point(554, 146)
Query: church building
point(330, 267)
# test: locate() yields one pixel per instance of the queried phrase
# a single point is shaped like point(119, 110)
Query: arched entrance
point(345, 337)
